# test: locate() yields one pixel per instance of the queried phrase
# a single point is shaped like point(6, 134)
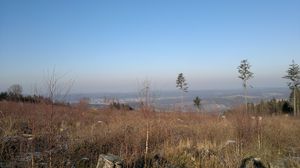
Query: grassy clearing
point(77, 135)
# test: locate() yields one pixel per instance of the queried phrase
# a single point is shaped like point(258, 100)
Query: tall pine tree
point(182, 86)
point(245, 75)
point(293, 74)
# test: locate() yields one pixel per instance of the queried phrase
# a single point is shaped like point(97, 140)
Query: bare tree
point(15, 90)
point(245, 75)
point(57, 90)
point(57, 87)
point(146, 109)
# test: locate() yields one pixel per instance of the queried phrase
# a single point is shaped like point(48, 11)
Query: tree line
point(14, 93)
point(273, 106)
point(9, 96)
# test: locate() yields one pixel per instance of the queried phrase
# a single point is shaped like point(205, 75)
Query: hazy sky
point(113, 45)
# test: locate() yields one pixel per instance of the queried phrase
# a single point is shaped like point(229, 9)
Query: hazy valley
point(212, 100)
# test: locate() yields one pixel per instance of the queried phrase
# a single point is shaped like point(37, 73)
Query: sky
point(115, 45)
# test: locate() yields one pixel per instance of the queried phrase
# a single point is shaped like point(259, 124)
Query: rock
point(109, 161)
point(251, 161)
point(159, 161)
point(83, 162)
point(156, 161)
point(3, 165)
point(11, 146)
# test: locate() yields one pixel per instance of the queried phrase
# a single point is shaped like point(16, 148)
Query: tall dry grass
point(79, 134)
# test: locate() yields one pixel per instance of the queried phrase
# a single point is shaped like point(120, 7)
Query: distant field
point(39, 135)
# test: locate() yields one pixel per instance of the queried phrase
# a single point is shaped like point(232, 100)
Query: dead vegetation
point(32, 136)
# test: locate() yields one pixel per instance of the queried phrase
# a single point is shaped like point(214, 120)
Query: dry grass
point(77, 135)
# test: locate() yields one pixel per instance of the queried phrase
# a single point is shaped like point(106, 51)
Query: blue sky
point(113, 45)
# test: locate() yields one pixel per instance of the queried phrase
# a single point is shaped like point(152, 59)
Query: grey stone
point(252, 162)
point(109, 161)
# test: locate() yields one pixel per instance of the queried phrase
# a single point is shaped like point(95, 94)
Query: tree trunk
point(245, 94)
point(146, 146)
point(182, 101)
point(295, 101)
